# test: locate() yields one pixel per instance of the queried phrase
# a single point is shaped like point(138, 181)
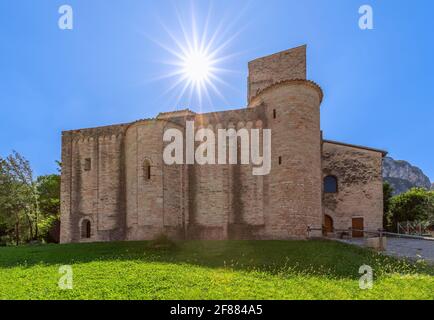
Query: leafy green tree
point(14, 203)
point(417, 204)
point(19, 170)
point(48, 188)
point(387, 197)
point(28, 207)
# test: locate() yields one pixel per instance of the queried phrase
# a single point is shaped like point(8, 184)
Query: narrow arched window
point(85, 229)
point(330, 184)
point(147, 170)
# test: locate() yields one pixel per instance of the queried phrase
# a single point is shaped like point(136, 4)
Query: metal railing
point(380, 233)
point(418, 228)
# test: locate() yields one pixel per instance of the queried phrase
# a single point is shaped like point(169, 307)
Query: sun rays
point(198, 57)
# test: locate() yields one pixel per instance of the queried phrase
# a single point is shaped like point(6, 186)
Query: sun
point(196, 66)
point(199, 56)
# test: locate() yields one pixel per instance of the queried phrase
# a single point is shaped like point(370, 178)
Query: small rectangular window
point(274, 114)
point(280, 161)
point(87, 164)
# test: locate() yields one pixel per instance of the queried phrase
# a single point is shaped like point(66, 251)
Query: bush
point(162, 241)
point(45, 226)
point(4, 241)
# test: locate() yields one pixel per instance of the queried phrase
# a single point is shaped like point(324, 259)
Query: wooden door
point(357, 224)
point(328, 223)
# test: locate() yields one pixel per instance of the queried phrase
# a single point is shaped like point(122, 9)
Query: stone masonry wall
point(223, 201)
point(360, 185)
point(95, 193)
point(154, 204)
point(285, 65)
point(294, 184)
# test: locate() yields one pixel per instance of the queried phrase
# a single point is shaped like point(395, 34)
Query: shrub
point(162, 241)
point(45, 226)
point(5, 240)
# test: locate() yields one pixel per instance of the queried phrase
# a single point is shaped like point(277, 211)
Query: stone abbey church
point(116, 186)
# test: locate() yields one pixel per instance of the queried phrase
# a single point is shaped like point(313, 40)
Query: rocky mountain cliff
point(403, 176)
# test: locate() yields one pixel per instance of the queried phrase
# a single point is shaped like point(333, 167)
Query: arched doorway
point(85, 229)
point(328, 224)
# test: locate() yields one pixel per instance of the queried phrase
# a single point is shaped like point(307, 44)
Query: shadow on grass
point(314, 257)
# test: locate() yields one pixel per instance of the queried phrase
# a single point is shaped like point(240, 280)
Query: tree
point(20, 171)
point(417, 204)
point(387, 198)
point(48, 188)
point(28, 208)
point(13, 201)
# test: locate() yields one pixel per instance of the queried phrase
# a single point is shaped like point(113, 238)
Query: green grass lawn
point(209, 270)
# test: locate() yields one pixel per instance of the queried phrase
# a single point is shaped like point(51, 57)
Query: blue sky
point(378, 84)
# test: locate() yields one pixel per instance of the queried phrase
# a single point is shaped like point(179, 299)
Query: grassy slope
point(209, 270)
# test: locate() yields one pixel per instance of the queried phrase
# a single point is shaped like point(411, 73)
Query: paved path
point(408, 248)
